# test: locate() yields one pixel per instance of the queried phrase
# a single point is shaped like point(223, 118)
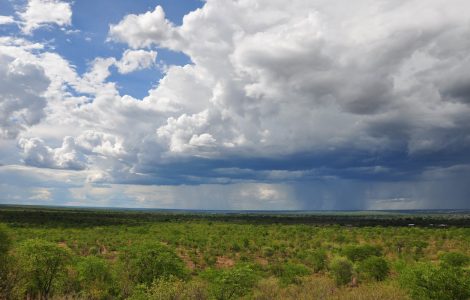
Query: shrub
point(42, 264)
point(170, 288)
point(4, 242)
point(426, 281)
point(319, 260)
point(149, 261)
point(94, 277)
point(359, 253)
point(5, 263)
point(454, 259)
point(289, 273)
point(268, 251)
point(374, 268)
point(342, 270)
point(231, 283)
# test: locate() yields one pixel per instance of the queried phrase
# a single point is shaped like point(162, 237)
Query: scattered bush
point(170, 288)
point(4, 242)
point(374, 268)
point(147, 262)
point(361, 252)
point(95, 278)
point(119, 241)
point(5, 264)
point(311, 287)
point(342, 270)
point(231, 283)
point(454, 259)
point(318, 260)
point(289, 273)
point(426, 281)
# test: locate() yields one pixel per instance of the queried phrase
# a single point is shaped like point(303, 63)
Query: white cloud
point(4, 20)
point(134, 60)
point(39, 13)
point(101, 143)
point(36, 153)
point(143, 30)
point(41, 194)
point(312, 76)
point(22, 91)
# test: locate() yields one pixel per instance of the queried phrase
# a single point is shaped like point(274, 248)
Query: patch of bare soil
point(261, 261)
point(224, 262)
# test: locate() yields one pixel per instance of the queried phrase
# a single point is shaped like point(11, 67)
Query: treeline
point(88, 217)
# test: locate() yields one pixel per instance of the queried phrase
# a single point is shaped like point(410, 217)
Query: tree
point(41, 264)
point(374, 267)
point(152, 260)
point(94, 277)
point(342, 270)
point(426, 281)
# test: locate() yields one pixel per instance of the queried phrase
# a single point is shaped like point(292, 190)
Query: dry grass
point(324, 288)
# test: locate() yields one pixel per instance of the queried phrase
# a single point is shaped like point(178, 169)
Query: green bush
point(342, 270)
point(289, 273)
point(374, 268)
point(42, 265)
point(268, 251)
point(318, 260)
point(231, 283)
point(426, 281)
point(5, 279)
point(95, 278)
point(170, 288)
point(147, 262)
point(454, 259)
point(4, 242)
point(359, 253)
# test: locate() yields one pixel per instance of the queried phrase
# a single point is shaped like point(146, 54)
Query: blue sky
point(86, 39)
point(224, 104)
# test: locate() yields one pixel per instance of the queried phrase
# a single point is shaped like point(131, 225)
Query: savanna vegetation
point(48, 253)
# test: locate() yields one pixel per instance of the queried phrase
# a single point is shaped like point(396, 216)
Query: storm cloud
point(328, 104)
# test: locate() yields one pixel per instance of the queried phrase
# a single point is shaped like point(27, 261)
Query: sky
point(224, 104)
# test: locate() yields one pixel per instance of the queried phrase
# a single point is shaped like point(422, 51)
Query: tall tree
point(41, 264)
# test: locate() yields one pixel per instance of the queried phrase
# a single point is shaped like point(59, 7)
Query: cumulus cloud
point(39, 13)
point(22, 91)
point(310, 77)
point(134, 60)
point(143, 30)
point(101, 143)
point(36, 153)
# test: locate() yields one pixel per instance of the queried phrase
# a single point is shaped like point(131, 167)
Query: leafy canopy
point(152, 260)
